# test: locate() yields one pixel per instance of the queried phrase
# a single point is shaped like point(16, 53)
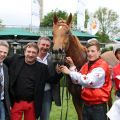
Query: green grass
point(72, 115)
point(56, 111)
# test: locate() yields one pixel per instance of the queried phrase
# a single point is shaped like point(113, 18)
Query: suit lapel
point(5, 76)
point(19, 65)
point(50, 65)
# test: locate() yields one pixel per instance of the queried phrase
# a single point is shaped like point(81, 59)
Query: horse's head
point(61, 35)
point(61, 32)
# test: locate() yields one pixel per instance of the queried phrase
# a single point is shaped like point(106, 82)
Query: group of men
point(30, 83)
point(34, 82)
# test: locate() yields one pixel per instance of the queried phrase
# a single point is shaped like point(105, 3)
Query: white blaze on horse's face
point(60, 27)
point(59, 37)
point(61, 32)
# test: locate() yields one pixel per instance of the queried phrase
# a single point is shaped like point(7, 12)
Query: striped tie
point(1, 79)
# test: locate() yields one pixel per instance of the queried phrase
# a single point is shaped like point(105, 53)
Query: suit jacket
point(15, 64)
point(6, 93)
point(55, 88)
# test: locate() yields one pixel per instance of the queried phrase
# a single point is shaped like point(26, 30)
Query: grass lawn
point(56, 111)
point(72, 115)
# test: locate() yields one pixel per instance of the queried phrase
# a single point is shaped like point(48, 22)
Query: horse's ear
point(69, 20)
point(55, 19)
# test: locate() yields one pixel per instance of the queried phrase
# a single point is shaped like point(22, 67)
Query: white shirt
point(44, 60)
point(114, 112)
point(94, 79)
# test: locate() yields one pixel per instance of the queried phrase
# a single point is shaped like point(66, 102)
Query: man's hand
point(64, 69)
point(58, 69)
point(69, 61)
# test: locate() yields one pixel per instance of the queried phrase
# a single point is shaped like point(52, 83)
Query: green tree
point(75, 18)
point(102, 37)
point(48, 19)
point(108, 23)
point(86, 18)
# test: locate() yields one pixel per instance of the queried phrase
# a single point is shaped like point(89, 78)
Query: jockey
point(113, 114)
point(94, 77)
point(116, 72)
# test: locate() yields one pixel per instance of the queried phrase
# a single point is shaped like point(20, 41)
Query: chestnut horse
point(64, 43)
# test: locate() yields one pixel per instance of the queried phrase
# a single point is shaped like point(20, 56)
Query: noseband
point(58, 56)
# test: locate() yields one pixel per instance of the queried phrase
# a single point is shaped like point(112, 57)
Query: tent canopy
point(18, 33)
point(22, 33)
point(118, 39)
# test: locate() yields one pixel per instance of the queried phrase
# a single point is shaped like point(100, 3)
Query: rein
point(67, 98)
point(58, 57)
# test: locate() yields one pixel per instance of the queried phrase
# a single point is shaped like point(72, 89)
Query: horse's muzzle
point(58, 56)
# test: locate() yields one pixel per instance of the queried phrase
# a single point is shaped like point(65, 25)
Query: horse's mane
point(78, 43)
point(77, 51)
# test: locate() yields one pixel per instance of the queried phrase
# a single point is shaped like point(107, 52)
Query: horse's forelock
point(62, 21)
point(61, 24)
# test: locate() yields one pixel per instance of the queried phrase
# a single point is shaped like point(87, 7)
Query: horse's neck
point(76, 52)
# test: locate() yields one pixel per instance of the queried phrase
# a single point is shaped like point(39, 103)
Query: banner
point(93, 26)
point(35, 15)
point(81, 14)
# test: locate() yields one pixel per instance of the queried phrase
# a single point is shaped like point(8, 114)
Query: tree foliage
point(48, 19)
point(75, 19)
point(86, 18)
point(108, 21)
point(102, 37)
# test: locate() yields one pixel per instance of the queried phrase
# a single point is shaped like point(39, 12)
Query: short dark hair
point(31, 44)
point(116, 51)
point(44, 38)
point(93, 42)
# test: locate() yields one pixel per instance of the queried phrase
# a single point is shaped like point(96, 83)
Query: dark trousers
point(46, 105)
point(95, 112)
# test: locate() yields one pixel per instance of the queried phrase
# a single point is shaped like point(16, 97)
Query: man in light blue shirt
point(51, 91)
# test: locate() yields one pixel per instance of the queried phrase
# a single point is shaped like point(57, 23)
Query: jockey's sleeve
point(73, 68)
point(94, 79)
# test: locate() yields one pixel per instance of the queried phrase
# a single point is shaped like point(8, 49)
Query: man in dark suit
point(51, 91)
point(4, 83)
point(27, 81)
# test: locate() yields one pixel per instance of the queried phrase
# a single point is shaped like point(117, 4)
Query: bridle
point(58, 56)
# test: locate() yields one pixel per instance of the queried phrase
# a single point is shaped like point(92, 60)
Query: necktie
point(1, 79)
